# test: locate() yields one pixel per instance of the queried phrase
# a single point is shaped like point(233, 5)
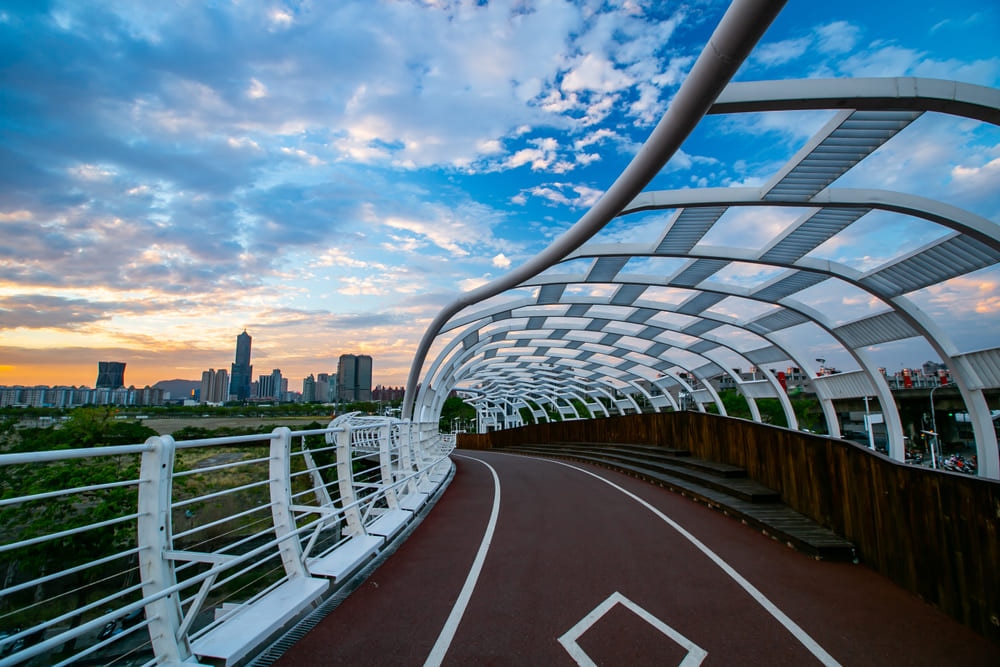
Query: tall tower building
point(110, 375)
point(271, 386)
point(241, 372)
point(364, 378)
point(345, 377)
point(214, 386)
point(309, 389)
point(354, 378)
point(324, 384)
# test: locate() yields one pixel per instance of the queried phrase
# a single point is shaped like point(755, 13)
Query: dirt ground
point(167, 425)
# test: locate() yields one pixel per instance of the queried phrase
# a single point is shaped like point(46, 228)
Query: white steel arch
point(515, 348)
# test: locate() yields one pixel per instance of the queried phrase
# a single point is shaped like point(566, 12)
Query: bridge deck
point(589, 564)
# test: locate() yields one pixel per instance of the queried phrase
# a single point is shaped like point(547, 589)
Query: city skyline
point(171, 175)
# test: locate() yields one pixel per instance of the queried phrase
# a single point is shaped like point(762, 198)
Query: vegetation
point(456, 415)
point(95, 427)
point(30, 413)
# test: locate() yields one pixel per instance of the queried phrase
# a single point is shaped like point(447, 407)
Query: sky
point(329, 175)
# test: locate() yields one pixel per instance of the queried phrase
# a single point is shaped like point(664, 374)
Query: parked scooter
point(958, 463)
point(22, 643)
point(119, 625)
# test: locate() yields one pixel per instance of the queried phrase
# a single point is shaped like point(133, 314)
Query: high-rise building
point(326, 387)
point(242, 371)
point(271, 386)
point(309, 389)
point(354, 378)
point(214, 386)
point(364, 378)
point(110, 375)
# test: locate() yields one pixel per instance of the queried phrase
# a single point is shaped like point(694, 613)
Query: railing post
point(155, 537)
point(345, 480)
point(385, 466)
point(280, 483)
point(405, 462)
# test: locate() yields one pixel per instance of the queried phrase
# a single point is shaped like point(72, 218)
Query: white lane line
point(801, 635)
point(444, 639)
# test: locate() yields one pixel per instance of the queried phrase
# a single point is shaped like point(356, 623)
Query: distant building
point(309, 389)
point(380, 393)
point(241, 372)
point(214, 386)
point(110, 375)
point(271, 387)
point(326, 387)
point(354, 378)
point(71, 397)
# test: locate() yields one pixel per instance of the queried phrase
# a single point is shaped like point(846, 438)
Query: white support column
point(830, 414)
point(345, 480)
point(155, 537)
point(405, 467)
point(385, 466)
point(280, 485)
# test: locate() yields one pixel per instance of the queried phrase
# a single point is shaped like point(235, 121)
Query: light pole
point(868, 427)
point(933, 428)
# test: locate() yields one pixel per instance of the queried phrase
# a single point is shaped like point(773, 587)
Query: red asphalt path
point(601, 560)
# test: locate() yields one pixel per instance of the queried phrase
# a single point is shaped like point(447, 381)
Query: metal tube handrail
point(366, 439)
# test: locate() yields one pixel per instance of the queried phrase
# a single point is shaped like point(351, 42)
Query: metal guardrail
point(158, 553)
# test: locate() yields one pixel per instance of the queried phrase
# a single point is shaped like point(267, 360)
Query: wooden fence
point(934, 533)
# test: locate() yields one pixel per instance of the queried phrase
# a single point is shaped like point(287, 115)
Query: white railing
point(168, 552)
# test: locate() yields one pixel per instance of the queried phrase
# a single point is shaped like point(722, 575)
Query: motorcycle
point(118, 625)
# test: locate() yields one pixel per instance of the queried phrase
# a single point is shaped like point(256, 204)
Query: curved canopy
point(655, 297)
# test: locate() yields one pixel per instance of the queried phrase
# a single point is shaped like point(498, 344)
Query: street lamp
point(933, 428)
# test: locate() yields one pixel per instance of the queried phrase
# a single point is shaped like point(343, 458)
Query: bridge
point(565, 528)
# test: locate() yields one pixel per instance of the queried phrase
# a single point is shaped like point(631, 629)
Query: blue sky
point(329, 175)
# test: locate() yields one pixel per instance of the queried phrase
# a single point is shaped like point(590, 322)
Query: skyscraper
point(242, 371)
point(214, 386)
point(354, 378)
point(271, 386)
point(364, 378)
point(110, 375)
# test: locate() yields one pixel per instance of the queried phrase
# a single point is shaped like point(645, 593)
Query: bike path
point(587, 566)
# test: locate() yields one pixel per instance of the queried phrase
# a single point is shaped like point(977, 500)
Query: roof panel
point(687, 229)
point(852, 138)
point(948, 258)
point(881, 328)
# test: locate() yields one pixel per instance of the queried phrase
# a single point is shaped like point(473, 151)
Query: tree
point(455, 408)
point(86, 427)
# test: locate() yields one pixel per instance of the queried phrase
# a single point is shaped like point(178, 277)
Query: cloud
point(161, 177)
point(38, 311)
point(837, 38)
point(779, 53)
point(562, 194)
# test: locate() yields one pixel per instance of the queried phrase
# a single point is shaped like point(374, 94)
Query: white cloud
point(280, 18)
point(354, 286)
point(779, 53)
point(300, 154)
point(595, 73)
point(974, 178)
point(469, 284)
point(563, 194)
point(256, 90)
point(501, 261)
